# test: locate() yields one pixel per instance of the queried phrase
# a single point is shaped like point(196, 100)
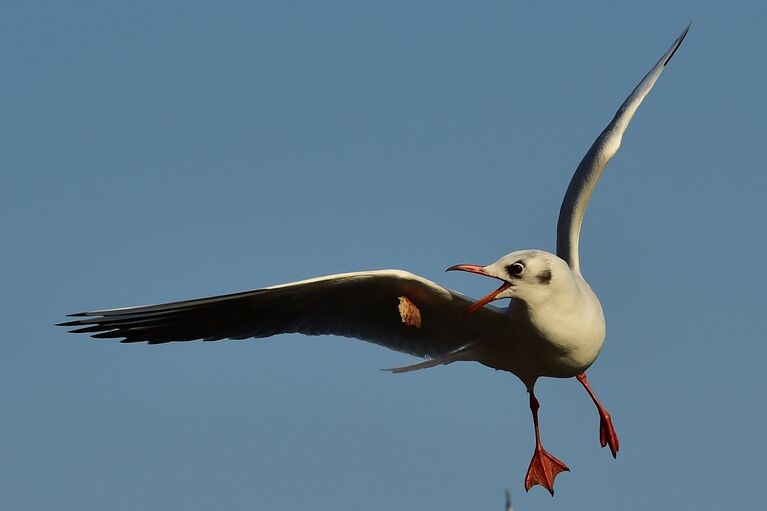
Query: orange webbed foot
point(607, 434)
point(543, 469)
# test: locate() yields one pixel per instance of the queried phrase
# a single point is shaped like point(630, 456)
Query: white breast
point(565, 334)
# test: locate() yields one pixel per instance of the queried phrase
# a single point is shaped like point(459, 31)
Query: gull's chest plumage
point(560, 337)
point(564, 341)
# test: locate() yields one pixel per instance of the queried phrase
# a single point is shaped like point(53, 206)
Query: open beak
point(480, 270)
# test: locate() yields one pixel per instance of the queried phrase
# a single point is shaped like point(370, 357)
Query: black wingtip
point(69, 323)
point(77, 322)
point(678, 43)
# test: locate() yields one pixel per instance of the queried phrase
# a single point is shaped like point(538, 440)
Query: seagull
point(552, 327)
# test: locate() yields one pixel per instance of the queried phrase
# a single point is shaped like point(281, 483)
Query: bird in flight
point(553, 325)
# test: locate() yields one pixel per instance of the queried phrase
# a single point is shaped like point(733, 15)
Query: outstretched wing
point(587, 174)
point(392, 308)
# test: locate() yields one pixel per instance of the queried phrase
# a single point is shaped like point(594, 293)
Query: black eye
point(515, 269)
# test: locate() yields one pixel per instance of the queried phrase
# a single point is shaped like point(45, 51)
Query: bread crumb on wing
point(409, 313)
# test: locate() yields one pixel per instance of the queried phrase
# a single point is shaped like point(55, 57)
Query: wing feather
point(602, 150)
point(363, 305)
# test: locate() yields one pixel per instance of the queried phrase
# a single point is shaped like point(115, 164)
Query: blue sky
point(154, 151)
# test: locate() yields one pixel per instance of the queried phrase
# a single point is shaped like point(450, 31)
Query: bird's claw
point(607, 434)
point(543, 469)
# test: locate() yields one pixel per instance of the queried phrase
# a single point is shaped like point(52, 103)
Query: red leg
point(543, 467)
point(607, 434)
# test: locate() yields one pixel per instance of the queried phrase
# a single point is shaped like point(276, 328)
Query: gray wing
point(392, 308)
point(587, 174)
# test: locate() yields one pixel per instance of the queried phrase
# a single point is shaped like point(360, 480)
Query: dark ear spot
point(544, 277)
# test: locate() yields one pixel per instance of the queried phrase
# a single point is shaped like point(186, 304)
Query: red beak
point(480, 270)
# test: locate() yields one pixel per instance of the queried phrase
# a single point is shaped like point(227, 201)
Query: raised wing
point(392, 308)
point(587, 174)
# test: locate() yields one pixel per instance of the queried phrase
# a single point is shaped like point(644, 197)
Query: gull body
point(553, 326)
point(554, 322)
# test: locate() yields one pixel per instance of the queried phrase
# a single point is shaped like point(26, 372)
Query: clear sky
point(154, 151)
